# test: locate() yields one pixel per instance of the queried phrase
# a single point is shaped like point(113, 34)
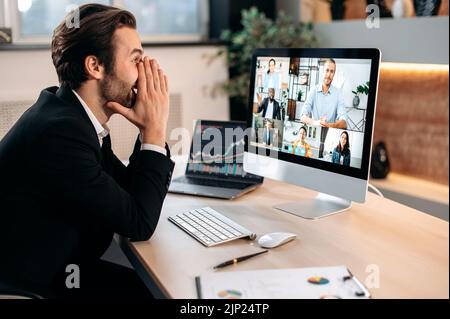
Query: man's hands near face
point(151, 110)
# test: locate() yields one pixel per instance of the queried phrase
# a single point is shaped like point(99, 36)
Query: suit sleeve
point(278, 115)
point(122, 174)
point(72, 170)
point(261, 106)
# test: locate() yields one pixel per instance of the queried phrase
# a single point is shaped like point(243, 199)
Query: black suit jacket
point(62, 196)
point(276, 109)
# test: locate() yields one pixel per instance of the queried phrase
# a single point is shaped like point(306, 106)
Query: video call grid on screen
point(291, 97)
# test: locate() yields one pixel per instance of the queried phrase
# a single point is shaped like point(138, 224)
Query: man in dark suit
point(269, 106)
point(63, 192)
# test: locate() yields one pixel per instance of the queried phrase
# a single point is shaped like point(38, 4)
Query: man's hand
point(307, 120)
point(151, 110)
point(323, 122)
point(259, 98)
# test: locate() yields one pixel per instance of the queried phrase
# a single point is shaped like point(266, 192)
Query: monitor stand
point(320, 206)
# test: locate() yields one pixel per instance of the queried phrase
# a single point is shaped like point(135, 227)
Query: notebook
point(296, 283)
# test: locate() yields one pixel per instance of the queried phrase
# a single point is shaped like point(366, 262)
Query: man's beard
point(114, 89)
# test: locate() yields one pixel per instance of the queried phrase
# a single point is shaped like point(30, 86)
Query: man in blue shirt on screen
point(325, 105)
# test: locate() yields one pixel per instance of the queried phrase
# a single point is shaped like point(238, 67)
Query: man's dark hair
point(304, 128)
point(331, 60)
point(71, 46)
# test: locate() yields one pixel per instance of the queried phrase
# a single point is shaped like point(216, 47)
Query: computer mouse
point(276, 239)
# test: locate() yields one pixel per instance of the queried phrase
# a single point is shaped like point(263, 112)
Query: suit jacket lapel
point(66, 94)
point(106, 154)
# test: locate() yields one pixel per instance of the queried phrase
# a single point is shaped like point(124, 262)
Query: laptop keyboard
point(212, 182)
point(210, 227)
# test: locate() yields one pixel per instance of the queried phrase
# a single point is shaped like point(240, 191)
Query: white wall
point(23, 74)
point(409, 40)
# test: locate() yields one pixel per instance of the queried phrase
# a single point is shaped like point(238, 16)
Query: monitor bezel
point(370, 54)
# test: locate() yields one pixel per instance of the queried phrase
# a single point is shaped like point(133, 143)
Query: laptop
point(215, 166)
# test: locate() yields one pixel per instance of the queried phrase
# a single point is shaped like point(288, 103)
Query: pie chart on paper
point(318, 280)
point(229, 294)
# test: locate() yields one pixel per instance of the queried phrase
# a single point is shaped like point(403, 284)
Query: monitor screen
point(314, 109)
point(218, 149)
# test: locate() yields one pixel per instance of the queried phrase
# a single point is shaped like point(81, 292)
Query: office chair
point(7, 292)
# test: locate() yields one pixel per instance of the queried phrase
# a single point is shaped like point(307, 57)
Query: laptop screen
point(217, 150)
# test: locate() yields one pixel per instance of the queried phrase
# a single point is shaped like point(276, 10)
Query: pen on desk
point(238, 259)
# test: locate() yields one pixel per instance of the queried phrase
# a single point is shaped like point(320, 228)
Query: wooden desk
point(414, 187)
point(410, 248)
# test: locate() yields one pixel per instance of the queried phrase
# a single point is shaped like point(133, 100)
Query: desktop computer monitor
point(311, 114)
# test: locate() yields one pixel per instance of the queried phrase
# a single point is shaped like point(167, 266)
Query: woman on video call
point(300, 147)
point(341, 153)
point(271, 77)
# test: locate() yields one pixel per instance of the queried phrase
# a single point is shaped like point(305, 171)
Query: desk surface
point(414, 187)
point(410, 249)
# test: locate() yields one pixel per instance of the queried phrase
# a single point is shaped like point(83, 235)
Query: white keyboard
point(210, 227)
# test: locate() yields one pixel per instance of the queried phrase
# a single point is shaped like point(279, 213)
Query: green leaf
point(260, 32)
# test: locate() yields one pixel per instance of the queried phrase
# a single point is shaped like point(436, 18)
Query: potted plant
point(360, 89)
point(258, 32)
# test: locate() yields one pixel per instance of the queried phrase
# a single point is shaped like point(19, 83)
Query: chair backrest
point(123, 133)
point(10, 112)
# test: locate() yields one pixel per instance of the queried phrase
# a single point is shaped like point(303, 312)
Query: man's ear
point(94, 69)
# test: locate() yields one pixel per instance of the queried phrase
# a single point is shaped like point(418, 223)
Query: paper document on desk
point(297, 283)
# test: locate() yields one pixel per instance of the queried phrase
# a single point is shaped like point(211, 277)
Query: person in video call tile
point(341, 153)
point(301, 147)
point(267, 132)
point(325, 105)
point(271, 77)
point(269, 106)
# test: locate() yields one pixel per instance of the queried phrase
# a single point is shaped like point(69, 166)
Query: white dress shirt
point(103, 131)
point(269, 111)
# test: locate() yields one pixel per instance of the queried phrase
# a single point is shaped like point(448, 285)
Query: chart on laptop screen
point(218, 149)
point(312, 107)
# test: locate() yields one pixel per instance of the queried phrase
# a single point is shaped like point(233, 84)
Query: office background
point(412, 111)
